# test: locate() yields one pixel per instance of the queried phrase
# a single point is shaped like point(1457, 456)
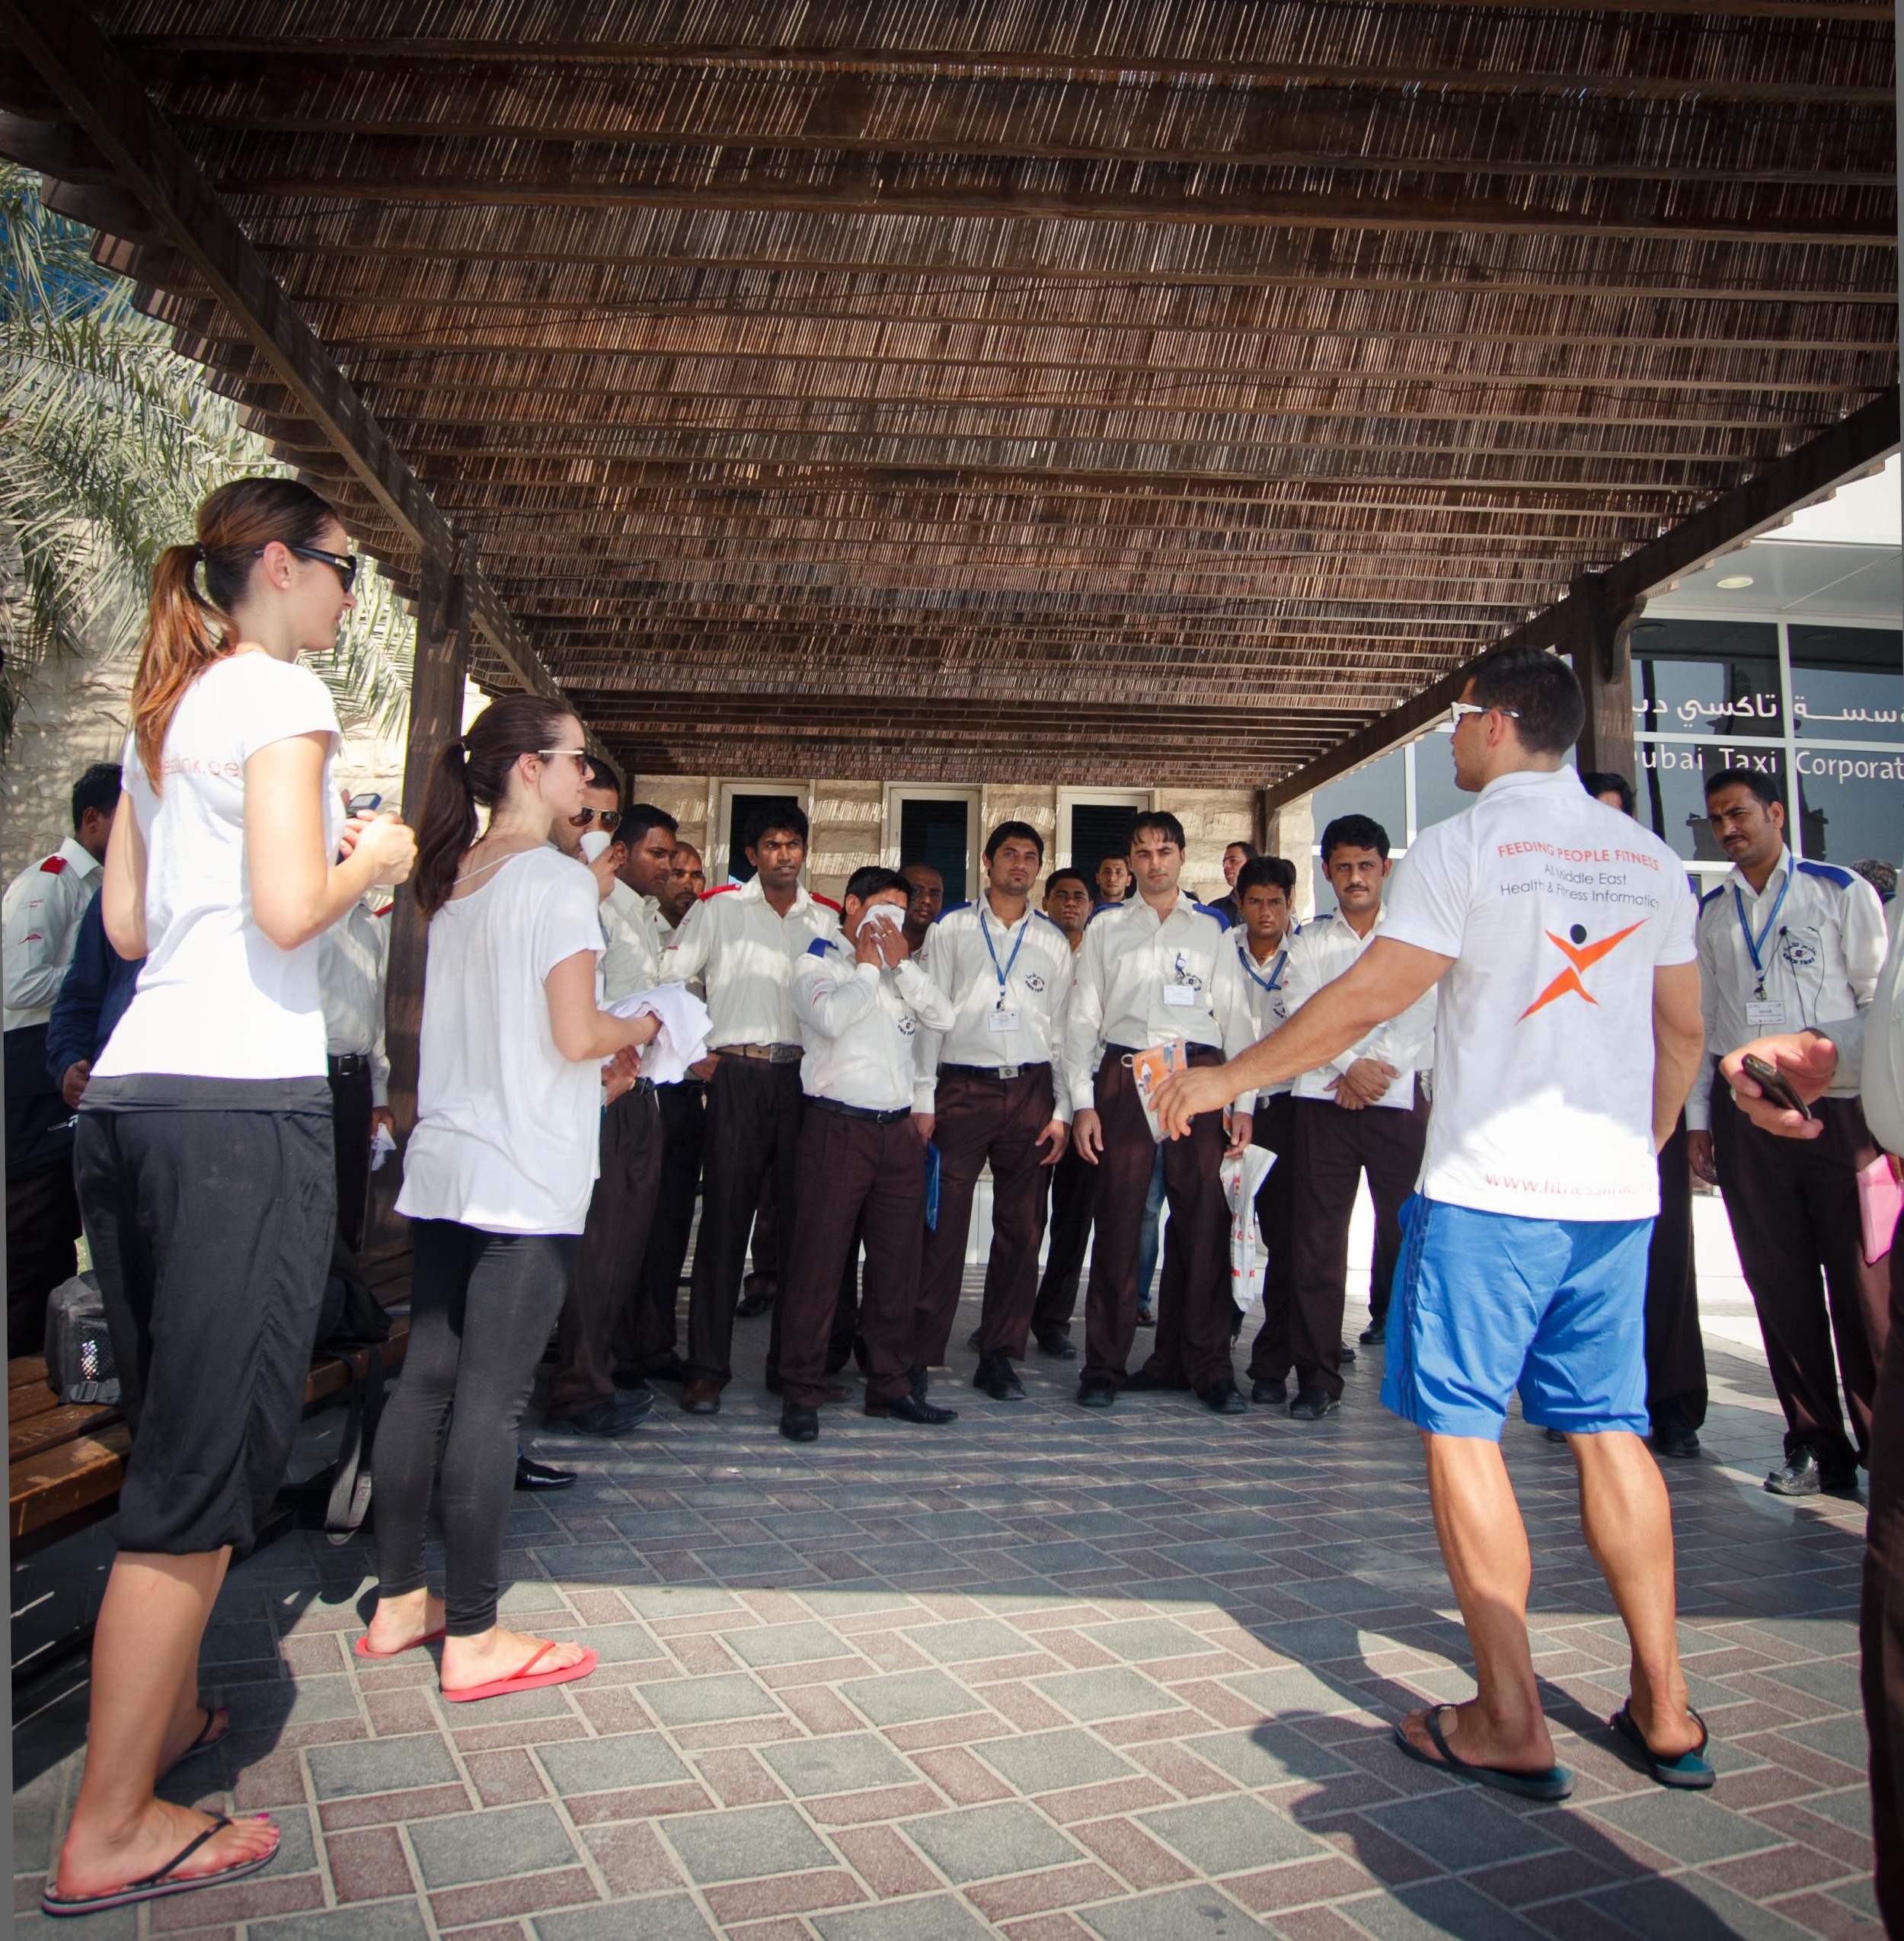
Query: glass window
point(1436, 798)
point(1706, 677)
point(1851, 805)
point(1672, 795)
point(1848, 683)
point(1378, 790)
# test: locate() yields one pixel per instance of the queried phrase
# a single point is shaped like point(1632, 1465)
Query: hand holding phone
point(1774, 1084)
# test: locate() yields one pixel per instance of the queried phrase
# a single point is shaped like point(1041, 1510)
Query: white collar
point(1782, 868)
point(80, 857)
point(1531, 779)
point(751, 892)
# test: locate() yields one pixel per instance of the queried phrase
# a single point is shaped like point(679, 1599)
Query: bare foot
point(498, 1654)
point(94, 1862)
point(1476, 1741)
point(399, 1623)
point(1669, 1730)
point(198, 1729)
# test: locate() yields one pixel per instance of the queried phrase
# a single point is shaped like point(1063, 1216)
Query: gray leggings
point(481, 1307)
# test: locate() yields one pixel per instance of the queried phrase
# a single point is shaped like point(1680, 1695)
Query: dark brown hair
point(1540, 690)
point(187, 631)
point(471, 772)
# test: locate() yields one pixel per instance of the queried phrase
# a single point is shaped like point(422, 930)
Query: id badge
point(1766, 1014)
point(1181, 997)
point(1002, 1021)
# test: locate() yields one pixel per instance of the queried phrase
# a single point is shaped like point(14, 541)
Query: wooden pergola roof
point(1052, 390)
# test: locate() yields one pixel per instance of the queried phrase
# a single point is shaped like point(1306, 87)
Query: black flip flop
point(156, 1885)
point(206, 1738)
point(1557, 1783)
point(1688, 1772)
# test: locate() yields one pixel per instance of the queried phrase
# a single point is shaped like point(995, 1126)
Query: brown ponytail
point(472, 772)
point(186, 631)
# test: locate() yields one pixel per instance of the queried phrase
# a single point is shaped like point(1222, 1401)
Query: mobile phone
point(364, 805)
point(1774, 1085)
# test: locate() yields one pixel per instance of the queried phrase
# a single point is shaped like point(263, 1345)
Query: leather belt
point(1128, 1052)
point(1000, 1072)
point(349, 1064)
point(846, 1112)
point(765, 1054)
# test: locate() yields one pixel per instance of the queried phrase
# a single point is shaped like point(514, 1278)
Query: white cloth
point(744, 952)
point(1266, 990)
point(1871, 1044)
point(216, 998)
point(1243, 1175)
point(632, 960)
point(682, 1040)
point(40, 921)
point(858, 1023)
point(1033, 956)
point(1557, 910)
point(508, 1130)
point(1131, 964)
point(1823, 949)
point(1325, 948)
point(353, 958)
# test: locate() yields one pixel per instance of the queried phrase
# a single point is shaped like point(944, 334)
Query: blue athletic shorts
point(1488, 1303)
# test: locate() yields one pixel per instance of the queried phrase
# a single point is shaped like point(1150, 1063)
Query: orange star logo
point(1580, 956)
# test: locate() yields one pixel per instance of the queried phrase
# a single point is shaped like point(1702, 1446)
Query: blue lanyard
point(1004, 975)
point(1275, 979)
point(1756, 944)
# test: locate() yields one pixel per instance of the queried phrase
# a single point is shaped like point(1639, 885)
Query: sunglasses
point(1457, 709)
point(609, 818)
point(343, 564)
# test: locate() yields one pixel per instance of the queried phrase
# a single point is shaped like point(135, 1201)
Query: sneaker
point(1095, 1395)
point(997, 1378)
point(1311, 1404)
point(1270, 1393)
point(613, 1415)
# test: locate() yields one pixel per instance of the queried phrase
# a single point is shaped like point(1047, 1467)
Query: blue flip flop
point(1689, 1772)
point(1557, 1783)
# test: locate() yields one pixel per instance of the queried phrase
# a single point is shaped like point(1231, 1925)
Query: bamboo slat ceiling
point(1050, 390)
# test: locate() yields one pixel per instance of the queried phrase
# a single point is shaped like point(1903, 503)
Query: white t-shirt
point(508, 1130)
point(1558, 909)
point(217, 999)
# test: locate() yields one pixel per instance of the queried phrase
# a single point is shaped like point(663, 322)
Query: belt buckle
point(1011, 1071)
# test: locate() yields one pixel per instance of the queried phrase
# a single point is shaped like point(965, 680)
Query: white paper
point(1243, 1178)
point(381, 1146)
point(682, 1040)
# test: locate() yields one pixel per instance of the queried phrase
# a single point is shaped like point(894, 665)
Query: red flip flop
point(527, 1680)
point(363, 1649)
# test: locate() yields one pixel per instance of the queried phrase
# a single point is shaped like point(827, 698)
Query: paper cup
point(595, 842)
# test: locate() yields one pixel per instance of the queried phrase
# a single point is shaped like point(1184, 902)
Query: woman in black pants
point(203, 1154)
point(496, 1178)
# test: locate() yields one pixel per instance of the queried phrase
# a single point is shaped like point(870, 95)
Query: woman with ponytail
point(203, 1153)
point(496, 1178)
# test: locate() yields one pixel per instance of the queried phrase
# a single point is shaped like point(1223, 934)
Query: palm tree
point(108, 441)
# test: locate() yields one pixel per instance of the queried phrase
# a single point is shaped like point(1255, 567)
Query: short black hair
point(1250, 851)
point(1013, 832)
point(1353, 832)
point(1761, 785)
point(639, 817)
point(792, 817)
point(1540, 690)
point(1606, 781)
point(1160, 822)
point(98, 788)
point(867, 883)
point(603, 773)
point(1066, 875)
point(1266, 873)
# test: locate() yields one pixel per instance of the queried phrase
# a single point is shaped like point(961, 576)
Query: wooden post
point(1602, 638)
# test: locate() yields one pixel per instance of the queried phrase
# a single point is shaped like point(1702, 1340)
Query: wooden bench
point(64, 1460)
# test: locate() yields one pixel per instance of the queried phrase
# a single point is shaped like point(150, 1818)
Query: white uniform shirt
point(1557, 910)
point(632, 961)
point(353, 956)
point(1142, 980)
point(1018, 976)
point(40, 918)
point(1266, 990)
point(1323, 949)
point(746, 950)
point(1823, 944)
point(859, 1025)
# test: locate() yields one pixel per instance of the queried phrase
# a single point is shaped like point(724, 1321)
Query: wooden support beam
point(1602, 660)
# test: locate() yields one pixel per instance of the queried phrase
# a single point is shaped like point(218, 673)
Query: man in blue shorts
point(1567, 1035)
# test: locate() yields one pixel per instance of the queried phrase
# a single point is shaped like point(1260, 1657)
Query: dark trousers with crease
point(856, 1175)
point(1793, 1205)
point(1271, 1354)
point(1676, 1351)
point(684, 1132)
point(1200, 1224)
point(1880, 1626)
point(978, 1119)
point(1074, 1188)
point(754, 1112)
point(595, 1335)
point(1334, 1147)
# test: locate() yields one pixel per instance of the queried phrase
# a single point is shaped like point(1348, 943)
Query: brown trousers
point(999, 1120)
point(1880, 1628)
point(596, 1334)
point(1198, 1236)
point(1676, 1351)
point(1793, 1205)
point(1333, 1147)
point(1271, 1354)
point(1074, 1190)
point(855, 1174)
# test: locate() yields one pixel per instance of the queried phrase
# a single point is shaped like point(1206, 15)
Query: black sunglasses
point(344, 564)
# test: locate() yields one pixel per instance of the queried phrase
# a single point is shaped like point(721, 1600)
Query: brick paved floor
point(1046, 1673)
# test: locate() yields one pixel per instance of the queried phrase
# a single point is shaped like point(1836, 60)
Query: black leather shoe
point(1221, 1399)
point(1803, 1475)
point(1059, 1348)
point(912, 1409)
point(771, 1381)
point(1348, 1355)
point(1145, 1382)
point(1311, 1404)
point(1095, 1395)
point(1675, 1439)
point(799, 1425)
point(614, 1416)
point(921, 1379)
point(671, 1369)
point(1374, 1337)
point(531, 1475)
point(752, 1306)
point(972, 1340)
point(1269, 1393)
point(997, 1378)
point(701, 1397)
point(1146, 1315)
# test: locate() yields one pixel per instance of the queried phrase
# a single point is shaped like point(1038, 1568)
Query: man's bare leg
point(1484, 1543)
point(1628, 1517)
